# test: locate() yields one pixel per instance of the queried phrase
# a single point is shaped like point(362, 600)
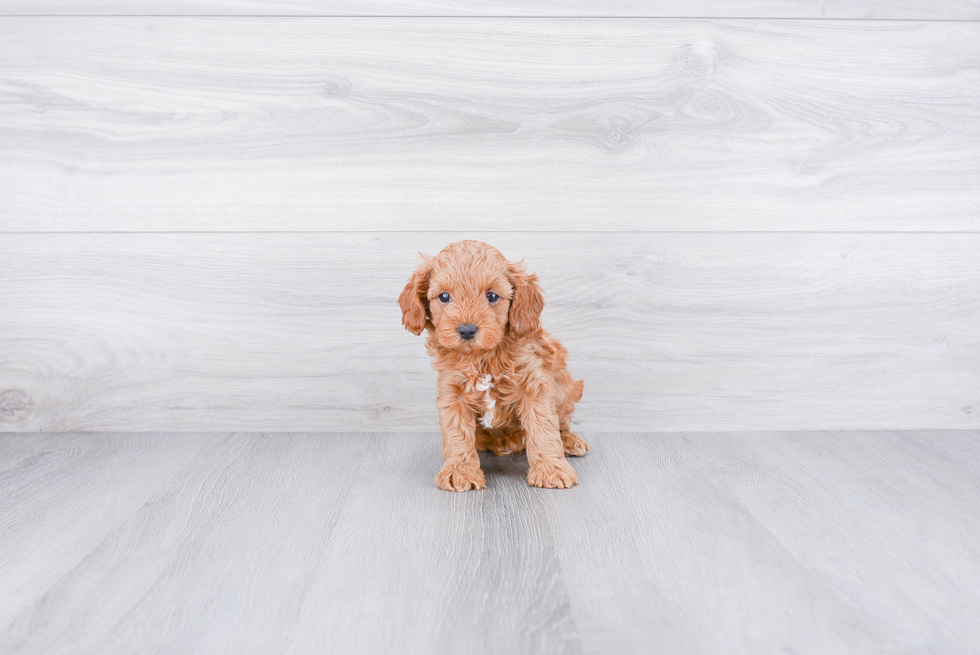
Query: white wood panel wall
point(740, 224)
point(677, 331)
point(859, 9)
point(131, 124)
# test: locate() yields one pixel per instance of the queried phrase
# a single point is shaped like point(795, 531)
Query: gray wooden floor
point(340, 543)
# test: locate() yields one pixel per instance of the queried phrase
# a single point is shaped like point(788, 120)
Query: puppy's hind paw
point(508, 449)
point(552, 474)
point(460, 477)
point(574, 445)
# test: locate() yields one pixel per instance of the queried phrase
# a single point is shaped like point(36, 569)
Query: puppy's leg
point(545, 452)
point(461, 465)
point(574, 445)
point(484, 442)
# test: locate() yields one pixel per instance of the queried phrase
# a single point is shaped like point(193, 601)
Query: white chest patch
point(485, 385)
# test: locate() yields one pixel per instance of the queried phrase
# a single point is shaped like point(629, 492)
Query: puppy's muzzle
point(466, 331)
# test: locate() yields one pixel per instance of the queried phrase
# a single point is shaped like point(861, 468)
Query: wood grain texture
point(196, 561)
point(418, 570)
point(835, 543)
point(63, 496)
point(670, 331)
point(804, 542)
point(862, 9)
point(201, 124)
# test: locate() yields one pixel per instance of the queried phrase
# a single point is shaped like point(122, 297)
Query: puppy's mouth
point(467, 346)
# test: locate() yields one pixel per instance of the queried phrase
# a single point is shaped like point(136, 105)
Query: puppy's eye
point(492, 297)
point(444, 297)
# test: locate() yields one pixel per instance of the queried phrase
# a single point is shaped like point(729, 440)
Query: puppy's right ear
point(412, 300)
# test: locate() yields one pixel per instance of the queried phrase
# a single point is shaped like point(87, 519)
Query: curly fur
point(532, 397)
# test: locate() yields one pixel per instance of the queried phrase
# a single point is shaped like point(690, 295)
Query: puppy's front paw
point(455, 476)
point(574, 445)
point(552, 474)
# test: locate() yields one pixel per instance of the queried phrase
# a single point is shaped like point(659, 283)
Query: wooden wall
point(746, 214)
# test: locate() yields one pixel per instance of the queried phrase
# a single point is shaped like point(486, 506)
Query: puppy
point(503, 385)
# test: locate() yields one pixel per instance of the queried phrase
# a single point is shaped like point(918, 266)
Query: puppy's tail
point(577, 388)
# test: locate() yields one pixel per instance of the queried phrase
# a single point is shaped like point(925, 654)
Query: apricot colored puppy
point(503, 385)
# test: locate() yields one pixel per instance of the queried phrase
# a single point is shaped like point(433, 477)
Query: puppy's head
point(472, 297)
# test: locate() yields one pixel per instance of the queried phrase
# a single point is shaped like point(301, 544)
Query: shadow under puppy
point(503, 385)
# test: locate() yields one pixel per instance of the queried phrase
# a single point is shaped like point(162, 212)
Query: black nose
point(467, 330)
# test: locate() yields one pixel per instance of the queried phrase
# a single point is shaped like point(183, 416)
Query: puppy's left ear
point(414, 306)
point(527, 303)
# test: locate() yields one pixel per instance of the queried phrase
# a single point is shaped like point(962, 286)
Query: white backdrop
point(739, 224)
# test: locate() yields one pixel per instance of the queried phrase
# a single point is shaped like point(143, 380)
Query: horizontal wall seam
point(509, 17)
